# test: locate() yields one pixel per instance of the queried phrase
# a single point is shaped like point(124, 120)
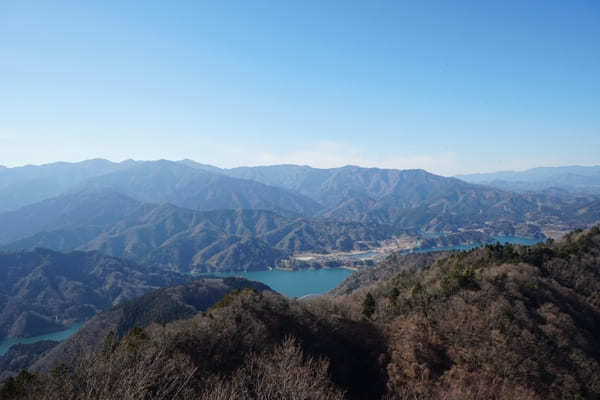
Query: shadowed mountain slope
point(198, 189)
point(173, 237)
point(22, 356)
point(160, 306)
point(403, 199)
point(30, 184)
point(497, 322)
point(92, 209)
point(416, 199)
point(43, 291)
point(202, 188)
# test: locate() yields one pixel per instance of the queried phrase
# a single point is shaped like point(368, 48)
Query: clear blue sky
point(449, 86)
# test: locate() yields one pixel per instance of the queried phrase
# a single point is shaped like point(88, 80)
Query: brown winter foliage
point(498, 322)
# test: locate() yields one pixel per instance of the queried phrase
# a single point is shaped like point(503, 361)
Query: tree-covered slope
point(159, 307)
point(203, 188)
point(199, 189)
point(495, 322)
point(405, 199)
point(498, 322)
point(22, 356)
point(177, 238)
point(416, 199)
point(43, 291)
point(93, 210)
point(21, 186)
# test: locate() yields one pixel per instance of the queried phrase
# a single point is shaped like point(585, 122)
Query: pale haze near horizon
point(460, 88)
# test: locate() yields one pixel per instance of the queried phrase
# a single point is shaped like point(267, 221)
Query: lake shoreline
point(57, 336)
point(317, 281)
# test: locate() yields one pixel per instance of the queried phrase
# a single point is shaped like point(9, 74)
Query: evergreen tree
point(369, 305)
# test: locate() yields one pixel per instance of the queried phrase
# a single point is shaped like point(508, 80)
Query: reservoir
point(300, 283)
point(56, 336)
point(309, 282)
point(517, 240)
point(497, 239)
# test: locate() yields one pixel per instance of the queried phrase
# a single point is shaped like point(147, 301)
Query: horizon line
point(44, 164)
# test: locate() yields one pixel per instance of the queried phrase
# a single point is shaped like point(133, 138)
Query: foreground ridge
point(497, 322)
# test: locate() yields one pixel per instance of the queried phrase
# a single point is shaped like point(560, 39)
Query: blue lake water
point(57, 336)
point(499, 239)
point(295, 283)
point(314, 282)
point(289, 283)
point(517, 240)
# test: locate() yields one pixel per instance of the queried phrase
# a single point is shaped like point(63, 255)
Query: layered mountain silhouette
point(173, 237)
point(185, 215)
point(30, 184)
point(198, 189)
point(559, 180)
point(420, 200)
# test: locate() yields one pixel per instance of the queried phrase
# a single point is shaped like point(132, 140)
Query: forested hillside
point(160, 306)
point(387, 200)
point(497, 322)
point(420, 200)
point(43, 291)
point(176, 238)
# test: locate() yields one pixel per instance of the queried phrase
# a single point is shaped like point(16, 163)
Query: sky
point(449, 86)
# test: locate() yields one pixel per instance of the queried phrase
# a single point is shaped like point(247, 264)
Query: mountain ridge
point(43, 290)
point(575, 179)
point(160, 306)
point(179, 238)
point(313, 210)
point(497, 322)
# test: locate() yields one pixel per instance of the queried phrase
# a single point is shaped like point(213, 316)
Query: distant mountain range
point(80, 238)
point(173, 237)
point(572, 180)
point(30, 184)
point(416, 199)
point(199, 189)
point(185, 215)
